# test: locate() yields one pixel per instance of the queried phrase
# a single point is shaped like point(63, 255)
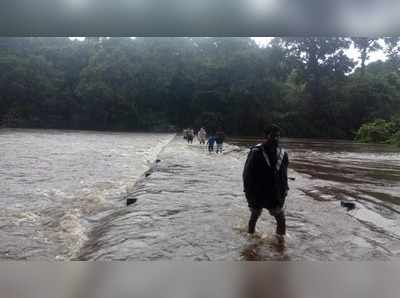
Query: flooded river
point(63, 196)
point(55, 185)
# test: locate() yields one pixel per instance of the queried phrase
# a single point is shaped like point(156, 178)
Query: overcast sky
point(352, 52)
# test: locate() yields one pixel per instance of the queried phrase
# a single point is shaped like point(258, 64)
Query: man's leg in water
point(254, 216)
point(279, 215)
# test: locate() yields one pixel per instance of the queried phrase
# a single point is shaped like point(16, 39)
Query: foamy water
point(55, 184)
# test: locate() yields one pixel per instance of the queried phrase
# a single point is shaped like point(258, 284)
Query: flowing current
point(63, 196)
point(56, 185)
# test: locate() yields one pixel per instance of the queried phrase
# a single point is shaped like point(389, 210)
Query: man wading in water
point(265, 180)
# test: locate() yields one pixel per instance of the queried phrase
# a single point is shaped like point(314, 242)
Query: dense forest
point(306, 85)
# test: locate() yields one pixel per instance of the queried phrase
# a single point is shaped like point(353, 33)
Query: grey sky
point(352, 52)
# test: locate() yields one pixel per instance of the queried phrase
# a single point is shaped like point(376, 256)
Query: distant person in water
point(190, 136)
point(219, 139)
point(202, 135)
point(210, 143)
point(186, 134)
point(265, 180)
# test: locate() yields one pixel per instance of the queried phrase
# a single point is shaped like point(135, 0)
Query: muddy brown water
point(63, 196)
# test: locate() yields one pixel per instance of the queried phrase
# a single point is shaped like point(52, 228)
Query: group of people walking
point(188, 135)
point(217, 138)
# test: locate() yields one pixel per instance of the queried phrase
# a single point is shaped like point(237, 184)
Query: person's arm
point(248, 171)
point(285, 164)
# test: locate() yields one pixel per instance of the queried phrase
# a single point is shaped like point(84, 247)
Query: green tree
point(366, 46)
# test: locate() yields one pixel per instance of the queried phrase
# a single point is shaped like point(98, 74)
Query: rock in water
point(130, 201)
point(347, 204)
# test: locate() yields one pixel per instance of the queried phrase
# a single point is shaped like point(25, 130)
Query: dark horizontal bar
point(198, 18)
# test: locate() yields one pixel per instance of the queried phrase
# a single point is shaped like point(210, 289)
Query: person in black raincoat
point(265, 180)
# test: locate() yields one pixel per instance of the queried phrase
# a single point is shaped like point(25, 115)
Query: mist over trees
point(306, 85)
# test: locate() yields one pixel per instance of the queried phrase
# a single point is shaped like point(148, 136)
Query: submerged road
point(190, 206)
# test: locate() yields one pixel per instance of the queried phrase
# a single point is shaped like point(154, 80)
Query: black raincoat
point(265, 178)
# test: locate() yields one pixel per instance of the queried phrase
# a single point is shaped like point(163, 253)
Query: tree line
point(308, 86)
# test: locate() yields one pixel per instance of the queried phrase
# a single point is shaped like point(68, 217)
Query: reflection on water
point(258, 245)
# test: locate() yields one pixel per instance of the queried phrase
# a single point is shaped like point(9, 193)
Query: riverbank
point(191, 207)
